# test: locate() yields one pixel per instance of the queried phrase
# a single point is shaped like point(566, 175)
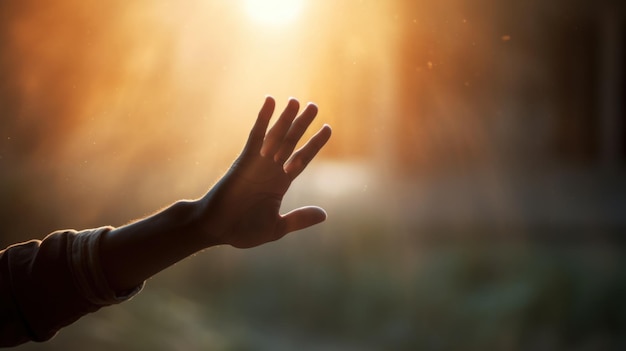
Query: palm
point(250, 194)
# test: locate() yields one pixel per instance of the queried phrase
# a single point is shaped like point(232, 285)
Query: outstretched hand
point(243, 207)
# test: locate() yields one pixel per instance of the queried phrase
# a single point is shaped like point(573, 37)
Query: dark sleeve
point(48, 284)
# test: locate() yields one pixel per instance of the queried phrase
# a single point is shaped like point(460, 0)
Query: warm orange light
point(274, 12)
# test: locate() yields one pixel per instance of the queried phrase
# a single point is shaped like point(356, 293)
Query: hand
point(242, 209)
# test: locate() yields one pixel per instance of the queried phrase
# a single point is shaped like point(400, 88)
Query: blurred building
point(541, 86)
point(485, 111)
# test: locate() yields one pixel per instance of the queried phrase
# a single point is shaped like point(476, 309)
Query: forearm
point(135, 252)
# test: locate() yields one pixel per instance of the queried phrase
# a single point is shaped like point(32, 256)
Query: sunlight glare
point(274, 12)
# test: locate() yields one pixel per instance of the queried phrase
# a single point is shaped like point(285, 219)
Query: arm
point(241, 210)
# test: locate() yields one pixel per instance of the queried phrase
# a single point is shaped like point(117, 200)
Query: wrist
point(204, 221)
point(192, 225)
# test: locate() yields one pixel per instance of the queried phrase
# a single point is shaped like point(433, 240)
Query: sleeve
point(46, 285)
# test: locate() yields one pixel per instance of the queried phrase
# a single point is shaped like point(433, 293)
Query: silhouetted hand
point(242, 209)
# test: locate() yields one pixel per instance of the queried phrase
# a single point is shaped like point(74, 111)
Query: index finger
point(257, 134)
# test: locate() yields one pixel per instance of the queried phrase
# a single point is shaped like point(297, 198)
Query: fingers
point(296, 131)
point(301, 218)
point(257, 134)
point(299, 160)
point(281, 140)
point(276, 134)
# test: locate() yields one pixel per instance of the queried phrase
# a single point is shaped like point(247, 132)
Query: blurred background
point(475, 181)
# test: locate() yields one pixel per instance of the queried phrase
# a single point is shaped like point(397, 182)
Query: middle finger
point(276, 134)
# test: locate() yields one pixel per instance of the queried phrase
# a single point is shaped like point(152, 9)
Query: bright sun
point(274, 12)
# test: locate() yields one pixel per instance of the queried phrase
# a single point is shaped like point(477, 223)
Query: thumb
point(301, 218)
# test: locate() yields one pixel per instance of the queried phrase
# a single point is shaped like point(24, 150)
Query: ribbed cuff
point(86, 268)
